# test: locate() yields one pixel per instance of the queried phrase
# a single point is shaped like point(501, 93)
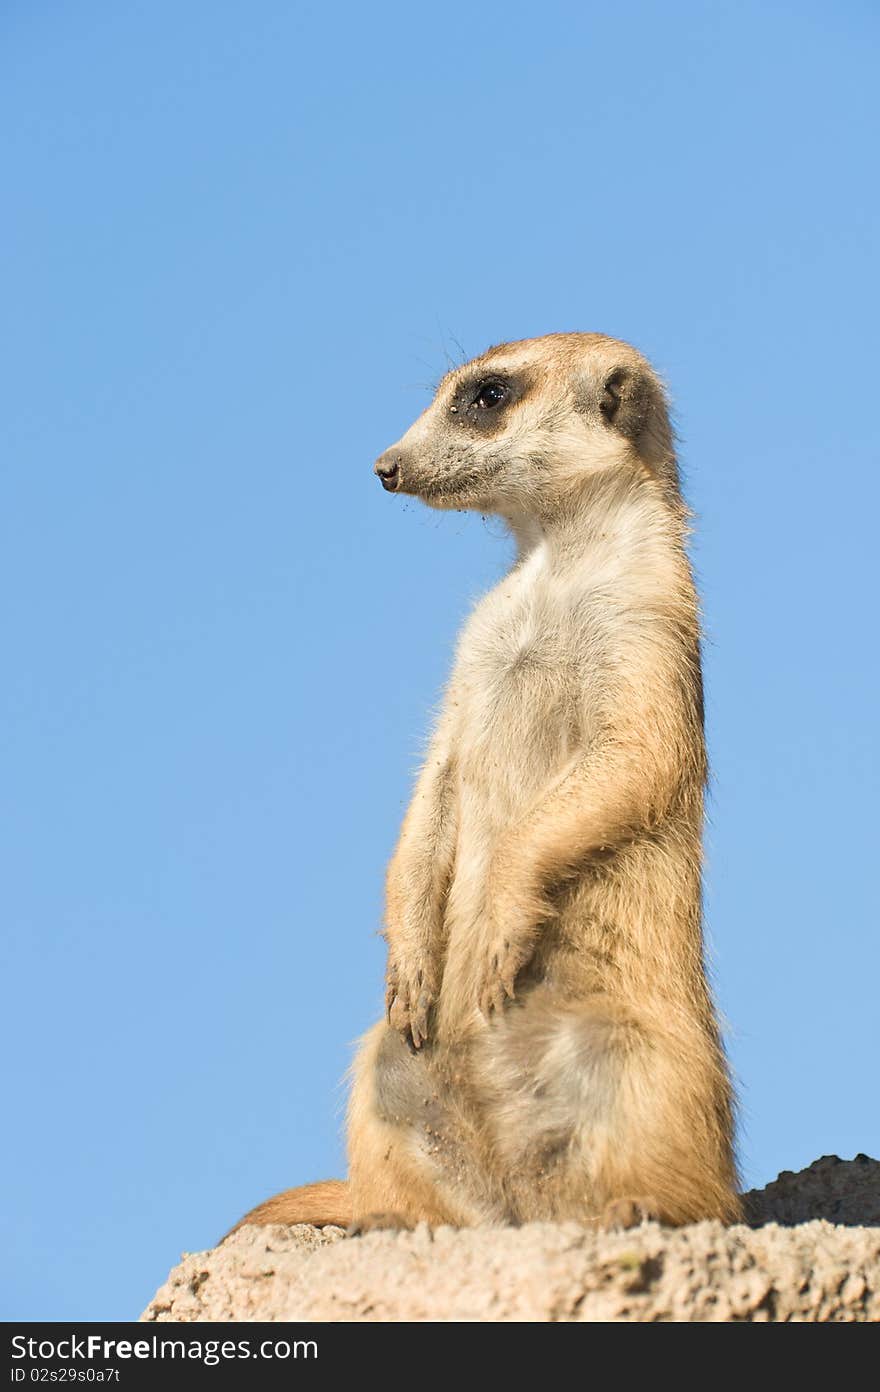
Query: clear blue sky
point(238, 243)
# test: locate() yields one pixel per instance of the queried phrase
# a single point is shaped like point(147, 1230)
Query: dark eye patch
point(481, 401)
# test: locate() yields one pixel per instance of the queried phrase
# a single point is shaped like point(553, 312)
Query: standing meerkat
point(551, 1049)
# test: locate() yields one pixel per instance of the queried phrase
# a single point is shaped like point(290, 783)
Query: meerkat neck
point(621, 507)
point(527, 531)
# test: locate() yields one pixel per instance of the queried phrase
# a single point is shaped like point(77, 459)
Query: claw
point(392, 982)
point(492, 999)
point(500, 985)
point(419, 1020)
point(407, 1005)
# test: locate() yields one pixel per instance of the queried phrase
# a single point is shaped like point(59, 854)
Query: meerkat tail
point(323, 1204)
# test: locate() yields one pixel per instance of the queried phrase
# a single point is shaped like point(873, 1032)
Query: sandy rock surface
point(815, 1256)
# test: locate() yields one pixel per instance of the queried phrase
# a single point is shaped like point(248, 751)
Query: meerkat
point(551, 1049)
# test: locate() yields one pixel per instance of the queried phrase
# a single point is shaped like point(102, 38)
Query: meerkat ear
point(633, 403)
point(609, 401)
point(622, 402)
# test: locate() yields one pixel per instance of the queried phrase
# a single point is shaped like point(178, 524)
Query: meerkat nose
point(387, 467)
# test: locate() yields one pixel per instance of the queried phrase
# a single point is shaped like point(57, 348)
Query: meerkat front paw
point(497, 982)
point(409, 996)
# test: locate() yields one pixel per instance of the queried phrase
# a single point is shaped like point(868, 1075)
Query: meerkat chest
point(519, 675)
point(511, 640)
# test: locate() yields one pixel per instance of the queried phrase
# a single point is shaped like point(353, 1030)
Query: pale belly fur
point(519, 722)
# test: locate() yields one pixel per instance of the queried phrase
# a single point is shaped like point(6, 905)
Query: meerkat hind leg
point(405, 1163)
point(378, 1222)
point(629, 1213)
point(595, 1116)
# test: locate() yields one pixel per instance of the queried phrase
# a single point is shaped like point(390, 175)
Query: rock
point(842, 1191)
point(810, 1254)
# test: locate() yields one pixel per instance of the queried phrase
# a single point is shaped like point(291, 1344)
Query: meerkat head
point(526, 425)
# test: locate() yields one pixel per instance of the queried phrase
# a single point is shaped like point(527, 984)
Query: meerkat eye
point(489, 395)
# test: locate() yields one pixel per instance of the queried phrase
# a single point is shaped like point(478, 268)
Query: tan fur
point(551, 1050)
point(322, 1204)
